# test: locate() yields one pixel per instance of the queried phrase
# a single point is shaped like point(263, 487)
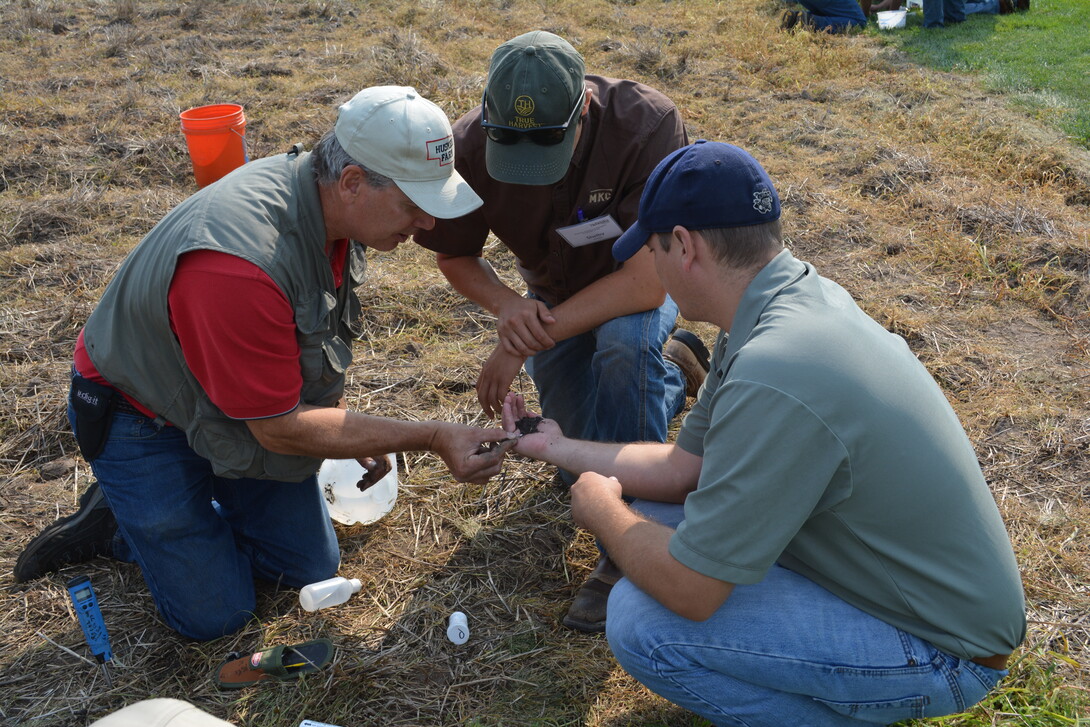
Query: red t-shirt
point(236, 330)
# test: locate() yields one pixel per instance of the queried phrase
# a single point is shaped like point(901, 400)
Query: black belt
point(123, 405)
point(997, 662)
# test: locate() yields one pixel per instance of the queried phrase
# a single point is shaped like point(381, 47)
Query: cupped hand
point(531, 445)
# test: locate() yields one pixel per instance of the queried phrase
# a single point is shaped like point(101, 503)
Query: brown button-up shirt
point(629, 128)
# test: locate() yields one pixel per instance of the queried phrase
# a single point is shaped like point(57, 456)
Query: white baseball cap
point(395, 131)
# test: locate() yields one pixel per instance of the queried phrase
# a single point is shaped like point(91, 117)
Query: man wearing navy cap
point(560, 158)
point(819, 547)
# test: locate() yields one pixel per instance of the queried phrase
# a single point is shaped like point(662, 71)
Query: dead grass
point(954, 221)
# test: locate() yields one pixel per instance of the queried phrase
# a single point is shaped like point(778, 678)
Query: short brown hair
point(739, 247)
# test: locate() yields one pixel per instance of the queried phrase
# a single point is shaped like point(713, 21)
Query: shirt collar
point(781, 272)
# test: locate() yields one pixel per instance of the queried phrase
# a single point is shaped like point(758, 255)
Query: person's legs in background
point(834, 16)
point(933, 13)
point(991, 7)
point(953, 11)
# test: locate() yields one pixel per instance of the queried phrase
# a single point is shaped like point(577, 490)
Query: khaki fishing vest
point(267, 212)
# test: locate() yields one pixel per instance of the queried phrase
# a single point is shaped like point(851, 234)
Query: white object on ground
point(890, 19)
point(330, 592)
point(344, 501)
point(458, 629)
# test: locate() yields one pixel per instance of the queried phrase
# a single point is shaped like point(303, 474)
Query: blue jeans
point(199, 557)
point(937, 13)
point(612, 384)
point(786, 652)
point(835, 15)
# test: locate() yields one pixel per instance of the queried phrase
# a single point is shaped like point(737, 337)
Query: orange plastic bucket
point(216, 137)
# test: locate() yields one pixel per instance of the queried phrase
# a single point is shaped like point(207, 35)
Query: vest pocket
point(225, 442)
point(338, 356)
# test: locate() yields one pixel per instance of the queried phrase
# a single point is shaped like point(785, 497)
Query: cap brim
point(529, 163)
point(443, 198)
point(630, 241)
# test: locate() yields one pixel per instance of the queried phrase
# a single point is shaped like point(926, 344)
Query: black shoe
point(789, 19)
point(74, 539)
point(691, 356)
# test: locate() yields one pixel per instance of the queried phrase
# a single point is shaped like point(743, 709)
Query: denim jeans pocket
point(134, 427)
point(883, 711)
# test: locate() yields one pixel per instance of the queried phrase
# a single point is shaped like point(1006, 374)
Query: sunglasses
point(540, 135)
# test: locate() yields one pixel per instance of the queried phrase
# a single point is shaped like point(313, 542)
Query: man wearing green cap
point(208, 383)
point(819, 546)
point(559, 158)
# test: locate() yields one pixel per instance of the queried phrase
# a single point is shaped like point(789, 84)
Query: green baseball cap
point(535, 82)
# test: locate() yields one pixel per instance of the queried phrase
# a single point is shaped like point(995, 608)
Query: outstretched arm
point(334, 433)
point(648, 470)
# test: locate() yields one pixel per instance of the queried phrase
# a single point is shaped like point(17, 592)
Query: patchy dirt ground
point(956, 222)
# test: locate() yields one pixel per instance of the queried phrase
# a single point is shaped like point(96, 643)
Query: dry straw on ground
point(955, 222)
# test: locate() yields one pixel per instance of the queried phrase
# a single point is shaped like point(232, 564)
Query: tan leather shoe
point(588, 609)
point(689, 353)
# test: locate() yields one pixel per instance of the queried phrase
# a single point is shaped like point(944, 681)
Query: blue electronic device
point(90, 620)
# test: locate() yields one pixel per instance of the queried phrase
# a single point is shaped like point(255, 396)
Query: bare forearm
point(640, 548)
point(474, 278)
point(647, 470)
point(335, 433)
point(633, 288)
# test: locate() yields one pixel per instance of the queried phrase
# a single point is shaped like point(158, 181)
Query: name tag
point(591, 231)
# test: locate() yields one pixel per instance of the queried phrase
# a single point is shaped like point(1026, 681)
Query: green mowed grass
point(1041, 58)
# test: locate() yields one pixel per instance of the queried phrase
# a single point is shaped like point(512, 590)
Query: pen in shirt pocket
point(579, 214)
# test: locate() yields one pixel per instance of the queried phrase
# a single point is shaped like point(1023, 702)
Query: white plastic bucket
point(891, 19)
point(344, 501)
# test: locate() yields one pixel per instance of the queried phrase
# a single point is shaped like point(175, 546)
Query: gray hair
point(330, 159)
point(739, 247)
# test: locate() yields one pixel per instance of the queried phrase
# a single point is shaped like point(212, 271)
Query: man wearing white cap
point(207, 384)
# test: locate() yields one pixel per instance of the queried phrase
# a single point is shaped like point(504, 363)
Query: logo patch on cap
point(441, 150)
point(524, 106)
point(762, 200)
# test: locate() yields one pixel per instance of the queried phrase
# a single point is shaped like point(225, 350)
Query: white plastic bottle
point(331, 592)
point(458, 630)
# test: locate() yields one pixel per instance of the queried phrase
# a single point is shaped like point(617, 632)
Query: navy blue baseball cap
point(703, 186)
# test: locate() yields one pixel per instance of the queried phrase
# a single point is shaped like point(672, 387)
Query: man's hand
point(531, 445)
point(520, 323)
point(377, 468)
point(466, 453)
point(593, 497)
point(498, 372)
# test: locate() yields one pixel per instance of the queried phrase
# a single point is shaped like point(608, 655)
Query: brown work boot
point(1006, 7)
point(588, 609)
point(688, 352)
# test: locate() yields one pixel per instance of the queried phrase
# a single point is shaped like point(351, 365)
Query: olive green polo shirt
point(629, 128)
point(827, 447)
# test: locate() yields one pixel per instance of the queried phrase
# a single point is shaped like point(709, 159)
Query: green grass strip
point(1041, 57)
